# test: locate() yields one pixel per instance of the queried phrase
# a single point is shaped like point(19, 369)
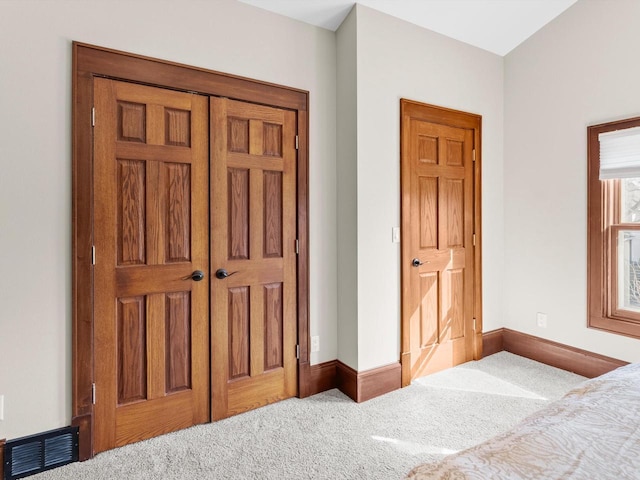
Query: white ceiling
point(495, 25)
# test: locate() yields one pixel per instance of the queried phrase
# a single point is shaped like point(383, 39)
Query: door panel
point(150, 230)
point(253, 238)
point(437, 230)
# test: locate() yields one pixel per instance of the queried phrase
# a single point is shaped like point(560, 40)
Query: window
point(613, 242)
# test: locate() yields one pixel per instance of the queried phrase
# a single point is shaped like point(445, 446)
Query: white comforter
point(592, 433)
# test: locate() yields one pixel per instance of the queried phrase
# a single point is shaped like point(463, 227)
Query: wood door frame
point(91, 61)
point(458, 119)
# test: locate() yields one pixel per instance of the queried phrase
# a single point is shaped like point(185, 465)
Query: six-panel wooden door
point(151, 230)
point(253, 234)
point(438, 251)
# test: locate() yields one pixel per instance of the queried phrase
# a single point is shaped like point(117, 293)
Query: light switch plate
point(395, 234)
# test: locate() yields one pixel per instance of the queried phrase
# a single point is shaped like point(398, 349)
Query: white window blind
point(620, 154)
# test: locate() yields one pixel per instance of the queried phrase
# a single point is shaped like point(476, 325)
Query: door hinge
point(474, 154)
point(298, 352)
point(93, 393)
point(474, 239)
point(93, 116)
point(297, 246)
point(474, 324)
point(297, 142)
point(93, 254)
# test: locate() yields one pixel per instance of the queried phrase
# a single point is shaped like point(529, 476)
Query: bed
point(592, 433)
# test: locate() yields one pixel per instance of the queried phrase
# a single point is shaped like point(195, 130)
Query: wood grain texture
point(455, 153)
point(272, 214)
point(178, 211)
point(238, 135)
point(302, 214)
point(439, 211)
point(131, 212)
point(363, 386)
point(239, 332)
point(81, 241)
point(132, 122)
point(273, 334)
point(147, 70)
point(137, 359)
point(272, 138)
point(256, 136)
point(132, 350)
point(178, 341)
point(378, 381)
point(454, 201)
point(238, 204)
point(428, 204)
point(323, 377)
point(268, 270)
point(140, 421)
point(90, 61)
point(347, 380)
point(177, 127)
point(429, 309)
point(427, 149)
point(454, 320)
point(492, 342)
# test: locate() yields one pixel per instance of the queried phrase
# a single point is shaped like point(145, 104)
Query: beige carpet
point(328, 436)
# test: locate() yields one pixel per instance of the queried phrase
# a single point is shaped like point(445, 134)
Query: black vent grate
point(30, 455)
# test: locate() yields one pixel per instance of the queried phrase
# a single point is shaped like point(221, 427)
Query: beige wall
point(347, 189)
point(581, 69)
point(536, 102)
point(35, 156)
point(399, 60)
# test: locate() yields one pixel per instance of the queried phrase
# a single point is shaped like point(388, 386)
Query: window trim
point(602, 213)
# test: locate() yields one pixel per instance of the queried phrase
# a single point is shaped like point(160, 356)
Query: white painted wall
point(399, 60)
point(347, 189)
point(35, 160)
point(580, 70)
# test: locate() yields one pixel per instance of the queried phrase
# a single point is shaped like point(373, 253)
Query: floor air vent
point(30, 455)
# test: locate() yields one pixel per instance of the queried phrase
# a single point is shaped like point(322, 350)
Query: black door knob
point(221, 274)
point(197, 275)
point(416, 262)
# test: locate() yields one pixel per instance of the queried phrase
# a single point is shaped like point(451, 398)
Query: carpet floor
point(328, 436)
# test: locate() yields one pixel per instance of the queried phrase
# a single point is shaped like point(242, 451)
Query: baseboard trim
point(376, 382)
point(85, 445)
point(322, 377)
point(572, 359)
point(347, 380)
point(492, 342)
point(363, 386)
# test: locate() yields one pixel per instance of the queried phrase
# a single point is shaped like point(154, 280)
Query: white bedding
point(592, 433)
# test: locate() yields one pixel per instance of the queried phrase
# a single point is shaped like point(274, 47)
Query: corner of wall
point(347, 207)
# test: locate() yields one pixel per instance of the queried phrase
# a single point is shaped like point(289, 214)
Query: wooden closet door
point(151, 198)
point(253, 205)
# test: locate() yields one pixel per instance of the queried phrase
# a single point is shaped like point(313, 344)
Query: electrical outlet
point(1, 407)
point(541, 319)
point(315, 344)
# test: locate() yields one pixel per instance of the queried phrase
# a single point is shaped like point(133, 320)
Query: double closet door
point(195, 264)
